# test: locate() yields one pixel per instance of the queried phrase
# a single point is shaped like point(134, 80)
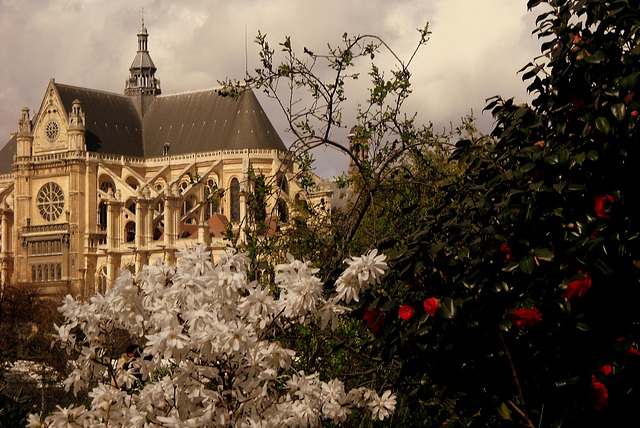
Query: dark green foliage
point(551, 200)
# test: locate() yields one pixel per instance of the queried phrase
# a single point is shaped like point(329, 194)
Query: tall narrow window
point(234, 191)
point(283, 214)
point(130, 231)
point(101, 285)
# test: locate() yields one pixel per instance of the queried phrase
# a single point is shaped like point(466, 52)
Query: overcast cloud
point(475, 51)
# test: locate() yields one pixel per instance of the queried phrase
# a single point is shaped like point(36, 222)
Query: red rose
point(373, 319)
point(605, 370)
point(602, 205)
point(431, 305)
point(406, 312)
point(599, 395)
point(577, 287)
point(525, 317)
point(634, 113)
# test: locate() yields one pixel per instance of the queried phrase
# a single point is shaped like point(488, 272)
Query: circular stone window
point(50, 201)
point(52, 130)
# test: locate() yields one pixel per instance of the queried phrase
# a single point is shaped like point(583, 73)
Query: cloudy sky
point(475, 51)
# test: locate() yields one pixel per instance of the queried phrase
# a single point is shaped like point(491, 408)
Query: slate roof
point(207, 121)
point(199, 121)
point(111, 121)
point(6, 155)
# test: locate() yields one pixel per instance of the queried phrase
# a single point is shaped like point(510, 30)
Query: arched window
point(130, 231)
point(132, 182)
point(33, 274)
point(282, 184)
point(107, 185)
point(212, 199)
point(131, 206)
point(102, 216)
point(187, 206)
point(281, 211)
point(58, 272)
point(101, 283)
point(158, 220)
point(234, 191)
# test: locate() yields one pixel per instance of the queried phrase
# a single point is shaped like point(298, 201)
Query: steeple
point(142, 84)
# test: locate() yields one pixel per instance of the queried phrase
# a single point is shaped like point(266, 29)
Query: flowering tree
point(210, 351)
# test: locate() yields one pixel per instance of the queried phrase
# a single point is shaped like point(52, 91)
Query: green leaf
point(603, 125)
point(527, 264)
point(527, 167)
point(543, 254)
point(583, 326)
point(619, 111)
point(447, 308)
point(629, 82)
point(596, 58)
point(579, 158)
point(604, 266)
point(558, 187)
point(504, 412)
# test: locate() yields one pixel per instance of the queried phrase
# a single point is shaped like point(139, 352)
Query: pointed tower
point(142, 85)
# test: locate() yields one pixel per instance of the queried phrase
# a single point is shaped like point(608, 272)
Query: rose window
point(52, 130)
point(50, 201)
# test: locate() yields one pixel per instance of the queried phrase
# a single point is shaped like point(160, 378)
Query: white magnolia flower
point(209, 355)
point(362, 273)
point(381, 407)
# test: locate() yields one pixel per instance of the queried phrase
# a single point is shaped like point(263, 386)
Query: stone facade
point(96, 182)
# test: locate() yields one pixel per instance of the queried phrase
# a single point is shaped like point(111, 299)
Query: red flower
point(577, 287)
point(505, 249)
point(373, 319)
point(602, 205)
point(525, 317)
point(406, 312)
point(431, 305)
point(599, 395)
point(634, 113)
point(632, 351)
point(605, 370)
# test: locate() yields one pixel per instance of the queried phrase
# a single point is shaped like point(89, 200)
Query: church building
point(94, 182)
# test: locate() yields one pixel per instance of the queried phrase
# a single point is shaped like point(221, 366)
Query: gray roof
point(143, 60)
point(200, 121)
point(111, 121)
point(6, 155)
point(207, 121)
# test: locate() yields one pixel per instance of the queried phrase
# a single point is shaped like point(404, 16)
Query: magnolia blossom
point(362, 273)
point(209, 356)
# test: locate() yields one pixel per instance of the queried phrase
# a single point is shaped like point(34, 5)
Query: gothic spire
point(142, 82)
